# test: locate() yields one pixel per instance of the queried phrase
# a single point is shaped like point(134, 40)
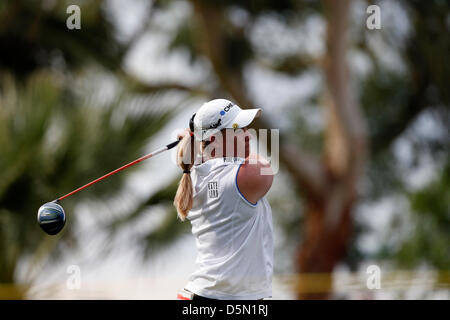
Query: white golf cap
point(219, 114)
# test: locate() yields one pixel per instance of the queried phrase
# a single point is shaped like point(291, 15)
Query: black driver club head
point(51, 217)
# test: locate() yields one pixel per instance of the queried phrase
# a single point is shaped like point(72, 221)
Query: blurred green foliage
point(49, 146)
point(430, 239)
point(55, 132)
point(34, 35)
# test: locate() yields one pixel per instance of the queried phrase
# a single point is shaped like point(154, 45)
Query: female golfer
point(222, 193)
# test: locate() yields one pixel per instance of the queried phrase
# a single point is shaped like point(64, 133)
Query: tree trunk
point(321, 249)
point(328, 223)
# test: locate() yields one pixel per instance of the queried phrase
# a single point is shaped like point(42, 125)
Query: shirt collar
point(204, 168)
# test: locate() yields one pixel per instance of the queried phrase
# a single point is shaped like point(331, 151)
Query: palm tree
point(57, 130)
point(49, 145)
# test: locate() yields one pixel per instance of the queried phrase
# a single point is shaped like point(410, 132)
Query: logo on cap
point(226, 109)
point(215, 125)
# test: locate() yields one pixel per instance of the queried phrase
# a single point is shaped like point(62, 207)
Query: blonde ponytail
point(185, 160)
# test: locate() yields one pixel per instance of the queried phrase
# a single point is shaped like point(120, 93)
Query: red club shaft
point(154, 153)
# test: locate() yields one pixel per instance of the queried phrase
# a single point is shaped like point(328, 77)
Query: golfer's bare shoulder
point(255, 178)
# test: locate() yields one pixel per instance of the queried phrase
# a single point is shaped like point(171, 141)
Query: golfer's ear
point(251, 182)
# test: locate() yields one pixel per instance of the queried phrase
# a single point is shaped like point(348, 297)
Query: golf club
point(51, 216)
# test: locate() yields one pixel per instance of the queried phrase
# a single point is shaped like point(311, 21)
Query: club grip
point(173, 144)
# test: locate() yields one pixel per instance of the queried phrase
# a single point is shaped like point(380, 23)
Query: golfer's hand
point(181, 135)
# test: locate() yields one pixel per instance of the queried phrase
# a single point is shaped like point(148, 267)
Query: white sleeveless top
point(233, 236)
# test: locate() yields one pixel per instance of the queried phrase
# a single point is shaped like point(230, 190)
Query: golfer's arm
point(255, 178)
